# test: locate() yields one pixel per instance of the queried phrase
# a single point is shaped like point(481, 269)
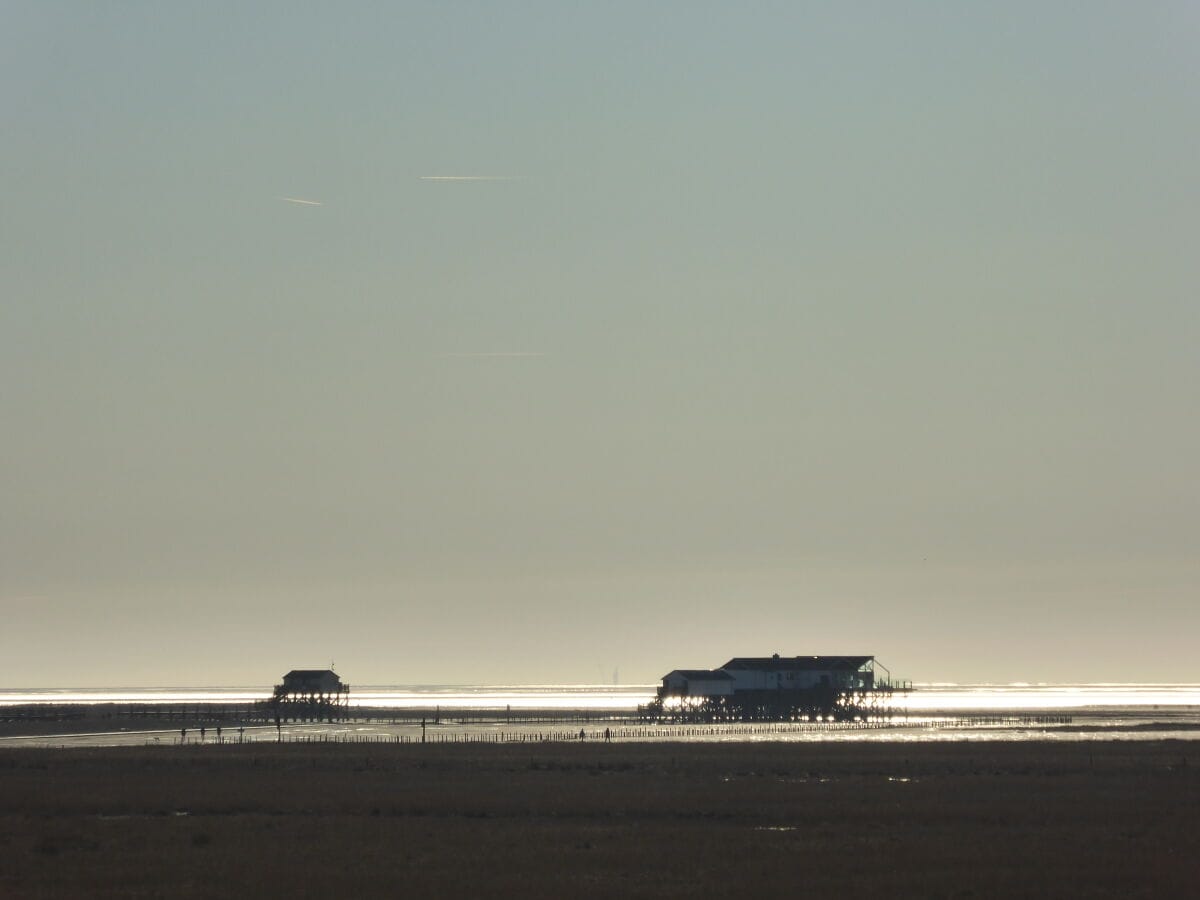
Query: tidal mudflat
point(1115, 819)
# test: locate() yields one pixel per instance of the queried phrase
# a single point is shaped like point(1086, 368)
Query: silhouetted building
point(311, 694)
point(310, 682)
point(697, 683)
point(766, 673)
point(776, 688)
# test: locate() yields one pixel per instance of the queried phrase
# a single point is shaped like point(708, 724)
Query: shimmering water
point(932, 712)
point(928, 697)
point(535, 696)
point(1022, 696)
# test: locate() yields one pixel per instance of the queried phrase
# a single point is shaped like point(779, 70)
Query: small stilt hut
point(311, 695)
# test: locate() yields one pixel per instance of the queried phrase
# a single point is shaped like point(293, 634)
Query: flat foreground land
point(1111, 819)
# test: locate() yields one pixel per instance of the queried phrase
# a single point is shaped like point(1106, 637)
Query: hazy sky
point(809, 328)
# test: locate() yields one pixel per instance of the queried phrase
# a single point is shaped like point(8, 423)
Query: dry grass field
point(1111, 819)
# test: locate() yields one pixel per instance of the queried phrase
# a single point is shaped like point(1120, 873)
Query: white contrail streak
point(472, 177)
point(302, 202)
point(492, 354)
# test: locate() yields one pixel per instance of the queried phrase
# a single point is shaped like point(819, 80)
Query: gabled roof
point(701, 674)
point(799, 663)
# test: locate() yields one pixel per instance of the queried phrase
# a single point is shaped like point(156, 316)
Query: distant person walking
point(183, 735)
point(581, 734)
point(607, 735)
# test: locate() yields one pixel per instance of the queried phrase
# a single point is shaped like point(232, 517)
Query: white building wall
point(717, 687)
point(795, 680)
point(677, 683)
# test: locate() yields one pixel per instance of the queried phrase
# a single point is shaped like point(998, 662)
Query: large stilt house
point(775, 688)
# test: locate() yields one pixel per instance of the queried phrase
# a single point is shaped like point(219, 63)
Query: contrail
point(494, 353)
point(472, 177)
point(302, 202)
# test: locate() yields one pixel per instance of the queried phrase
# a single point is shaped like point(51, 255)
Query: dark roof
point(702, 674)
point(310, 673)
point(799, 663)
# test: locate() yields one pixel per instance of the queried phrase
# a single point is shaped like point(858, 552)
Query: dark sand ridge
point(1113, 819)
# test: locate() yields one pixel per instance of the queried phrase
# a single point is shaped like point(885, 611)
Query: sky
point(612, 338)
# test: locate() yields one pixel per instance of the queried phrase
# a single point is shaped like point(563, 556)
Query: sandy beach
point(1102, 819)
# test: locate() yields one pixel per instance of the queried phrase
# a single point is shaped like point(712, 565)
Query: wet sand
point(1100, 819)
point(166, 719)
